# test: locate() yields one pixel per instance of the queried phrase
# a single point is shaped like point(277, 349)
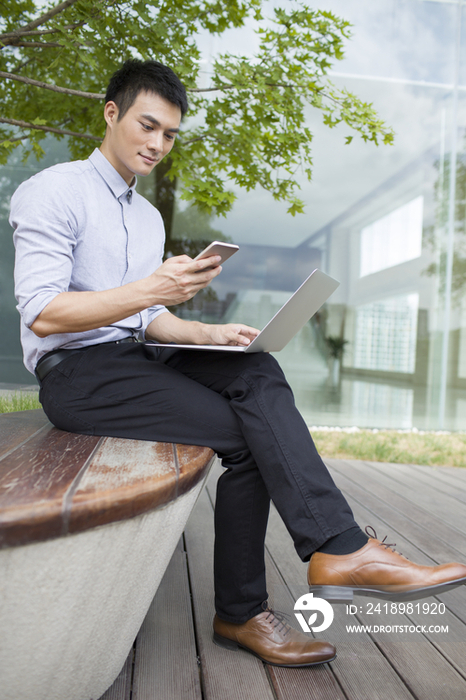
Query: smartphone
point(225, 250)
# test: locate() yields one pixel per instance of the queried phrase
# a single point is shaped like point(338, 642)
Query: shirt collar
point(115, 182)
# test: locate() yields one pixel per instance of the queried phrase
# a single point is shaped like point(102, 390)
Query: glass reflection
point(376, 220)
point(389, 348)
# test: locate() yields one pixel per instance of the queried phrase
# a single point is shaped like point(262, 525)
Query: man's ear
point(110, 113)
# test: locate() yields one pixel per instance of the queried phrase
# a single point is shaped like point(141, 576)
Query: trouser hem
point(241, 620)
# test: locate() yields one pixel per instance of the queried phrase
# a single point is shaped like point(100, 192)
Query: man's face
point(135, 144)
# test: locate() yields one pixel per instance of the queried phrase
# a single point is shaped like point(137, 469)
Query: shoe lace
point(370, 532)
point(277, 618)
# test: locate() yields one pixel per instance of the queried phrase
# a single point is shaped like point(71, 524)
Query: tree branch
point(19, 33)
point(54, 88)
point(36, 44)
point(189, 141)
point(231, 87)
point(42, 19)
point(53, 130)
point(213, 89)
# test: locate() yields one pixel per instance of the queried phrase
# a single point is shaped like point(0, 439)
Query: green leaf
point(250, 131)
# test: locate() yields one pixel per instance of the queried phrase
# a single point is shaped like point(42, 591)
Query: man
point(90, 281)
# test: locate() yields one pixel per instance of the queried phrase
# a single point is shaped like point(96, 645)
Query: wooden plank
point(427, 673)
point(19, 426)
point(47, 488)
point(417, 544)
point(426, 540)
point(34, 481)
point(125, 478)
point(429, 665)
point(360, 670)
point(458, 473)
point(166, 656)
point(225, 674)
point(456, 476)
point(121, 687)
point(456, 488)
point(193, 462)
point(446, 508)
point(378, 485)
point(430, 478)
point(450, 644)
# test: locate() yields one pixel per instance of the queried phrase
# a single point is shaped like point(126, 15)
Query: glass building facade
point(388, 222)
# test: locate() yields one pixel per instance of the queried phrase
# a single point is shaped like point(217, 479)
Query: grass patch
point(19, 401)
point(401, 447)
point(398, 446)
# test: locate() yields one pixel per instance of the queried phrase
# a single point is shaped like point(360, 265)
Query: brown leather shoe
point(272, 640)
point(377, 570)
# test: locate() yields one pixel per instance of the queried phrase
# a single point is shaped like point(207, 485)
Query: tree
point(247, 126)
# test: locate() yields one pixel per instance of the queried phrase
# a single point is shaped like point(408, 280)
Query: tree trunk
point(165, 198)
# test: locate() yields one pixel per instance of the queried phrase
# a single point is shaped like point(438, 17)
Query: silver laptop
point(288, 320)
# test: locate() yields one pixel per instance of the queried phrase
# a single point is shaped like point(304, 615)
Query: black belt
point(53, 358)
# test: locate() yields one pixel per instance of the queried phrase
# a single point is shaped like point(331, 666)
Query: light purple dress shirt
point(79, 227)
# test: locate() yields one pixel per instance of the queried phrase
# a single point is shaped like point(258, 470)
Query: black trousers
point(238, 404)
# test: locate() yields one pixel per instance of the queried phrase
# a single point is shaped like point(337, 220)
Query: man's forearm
point(167, 328)
point(75, 312)
point(176, 280)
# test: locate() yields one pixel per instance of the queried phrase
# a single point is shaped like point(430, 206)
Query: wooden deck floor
point(422, 509)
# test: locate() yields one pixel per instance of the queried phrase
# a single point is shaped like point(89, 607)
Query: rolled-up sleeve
point(45, 234)
point(153, 312)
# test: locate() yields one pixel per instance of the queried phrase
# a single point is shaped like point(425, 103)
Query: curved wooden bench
point(54, 483)
point(87, 528)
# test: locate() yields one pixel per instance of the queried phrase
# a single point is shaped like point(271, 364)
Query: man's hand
point(229, 334)
point(180, 278)
point(167, 328)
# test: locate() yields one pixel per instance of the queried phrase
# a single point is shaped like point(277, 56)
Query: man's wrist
point(202, 333)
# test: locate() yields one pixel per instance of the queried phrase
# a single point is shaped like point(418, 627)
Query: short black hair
point(137, 76)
